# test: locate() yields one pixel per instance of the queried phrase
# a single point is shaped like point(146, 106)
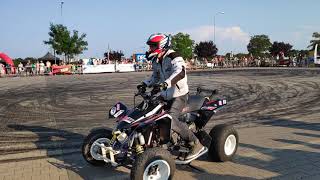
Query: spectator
point(37, 68)
point(41, 68)
point(1, 69)
point(20, 68)
point(8, 67)
point(48, 67)
point(28, 68)
point(33, 69)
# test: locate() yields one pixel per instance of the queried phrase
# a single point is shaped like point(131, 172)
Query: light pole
point(61, 5)
point(214, 26)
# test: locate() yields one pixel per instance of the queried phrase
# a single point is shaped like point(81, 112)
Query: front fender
point(101, 129)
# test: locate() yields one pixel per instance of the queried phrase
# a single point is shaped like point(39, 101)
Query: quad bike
point(143, 138)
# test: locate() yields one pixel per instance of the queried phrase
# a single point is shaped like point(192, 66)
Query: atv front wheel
point(90, 151)
point(155, 163)
point(224, 143)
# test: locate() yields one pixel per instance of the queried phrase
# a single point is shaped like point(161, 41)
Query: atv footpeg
point(178, 161)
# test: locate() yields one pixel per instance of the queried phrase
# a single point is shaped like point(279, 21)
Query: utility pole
point(61, 7)
point(108, 53)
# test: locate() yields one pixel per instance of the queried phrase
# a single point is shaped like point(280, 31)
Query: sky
point(125, 25)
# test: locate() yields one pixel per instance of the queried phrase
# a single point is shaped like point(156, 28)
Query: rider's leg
point(182, 128)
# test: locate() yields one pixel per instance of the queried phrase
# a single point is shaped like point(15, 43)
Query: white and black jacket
point(171, 70)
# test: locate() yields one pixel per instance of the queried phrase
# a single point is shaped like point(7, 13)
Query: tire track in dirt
point(55, 112)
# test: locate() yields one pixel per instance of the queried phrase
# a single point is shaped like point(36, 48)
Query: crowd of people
point(28, 69)
point(45, 68)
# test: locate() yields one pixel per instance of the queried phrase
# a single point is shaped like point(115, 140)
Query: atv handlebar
point(149, 97)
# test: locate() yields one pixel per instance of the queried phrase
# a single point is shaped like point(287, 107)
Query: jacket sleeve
point(179, 71)
point(155, 77)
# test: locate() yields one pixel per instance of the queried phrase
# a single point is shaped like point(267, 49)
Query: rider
point(169, 72)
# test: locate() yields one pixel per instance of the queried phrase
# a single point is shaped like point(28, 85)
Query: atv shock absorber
point(139, 149)
point(114, 136)
point(139, 141)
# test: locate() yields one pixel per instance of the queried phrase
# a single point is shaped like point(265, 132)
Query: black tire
point(149, 156)
point(89, 140)
point(219, 136)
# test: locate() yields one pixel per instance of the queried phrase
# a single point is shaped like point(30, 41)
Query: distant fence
point(68, 69)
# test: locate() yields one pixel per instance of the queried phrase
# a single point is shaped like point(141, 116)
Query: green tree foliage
point(114, 55)
point(31, 59)
point(278, 47)
point(205, 50)
point(63, 42)
point(300, 54)
point(228, 55)
point(77, 44)
point(315, 40)
point(259, 45)
point(293, 53)
point(182, 44)
point(17, 61)
point(303, 53)
point(241, 55)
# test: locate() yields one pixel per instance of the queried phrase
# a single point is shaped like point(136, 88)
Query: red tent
point(6, 58)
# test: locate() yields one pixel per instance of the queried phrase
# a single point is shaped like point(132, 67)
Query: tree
point(64, 43)
point(114, 55)
point(31, 59)
point(293, 53)
point(228, 55)
point(182, 44)
point(205, 50)
point(316, 40)
point(17, 61)
point(241, 55)
point(278, 47)
point(303, 53)
point(76, 44)
point(259, 45)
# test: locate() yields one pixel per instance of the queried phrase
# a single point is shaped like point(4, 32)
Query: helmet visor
point(153, 47)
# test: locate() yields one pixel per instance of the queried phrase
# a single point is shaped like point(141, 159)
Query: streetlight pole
point(54, 51)
point(214, 26)
point(61, 5)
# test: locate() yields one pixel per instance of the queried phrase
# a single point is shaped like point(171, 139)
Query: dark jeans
point(177, 104)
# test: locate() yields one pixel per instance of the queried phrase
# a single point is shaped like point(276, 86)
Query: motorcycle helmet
point(157, 43)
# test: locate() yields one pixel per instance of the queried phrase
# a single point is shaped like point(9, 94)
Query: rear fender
point(208, 109)
point(214, 105)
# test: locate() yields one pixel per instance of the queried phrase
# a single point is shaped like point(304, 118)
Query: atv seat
point(194, 103)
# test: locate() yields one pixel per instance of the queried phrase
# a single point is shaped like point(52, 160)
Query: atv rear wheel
point(90, 151)
point(224, 143)
point(155, 163)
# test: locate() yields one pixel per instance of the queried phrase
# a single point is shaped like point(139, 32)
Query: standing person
point(28, 68)
point(33, 69)
point(20, 68)
point(41, 67)
point(37, 68)
point(48, 67)
point(1, 69)
point(8, 67)
point(169, 69)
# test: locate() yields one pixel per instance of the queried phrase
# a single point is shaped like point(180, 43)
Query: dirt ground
point(48, 116)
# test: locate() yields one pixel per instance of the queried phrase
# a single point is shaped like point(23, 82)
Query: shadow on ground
point(294, 160)
point(289, 161)
point(78, 168)
point(73, 162)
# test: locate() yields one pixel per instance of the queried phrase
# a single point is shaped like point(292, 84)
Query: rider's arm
point(179, 71)
point(154, 77)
